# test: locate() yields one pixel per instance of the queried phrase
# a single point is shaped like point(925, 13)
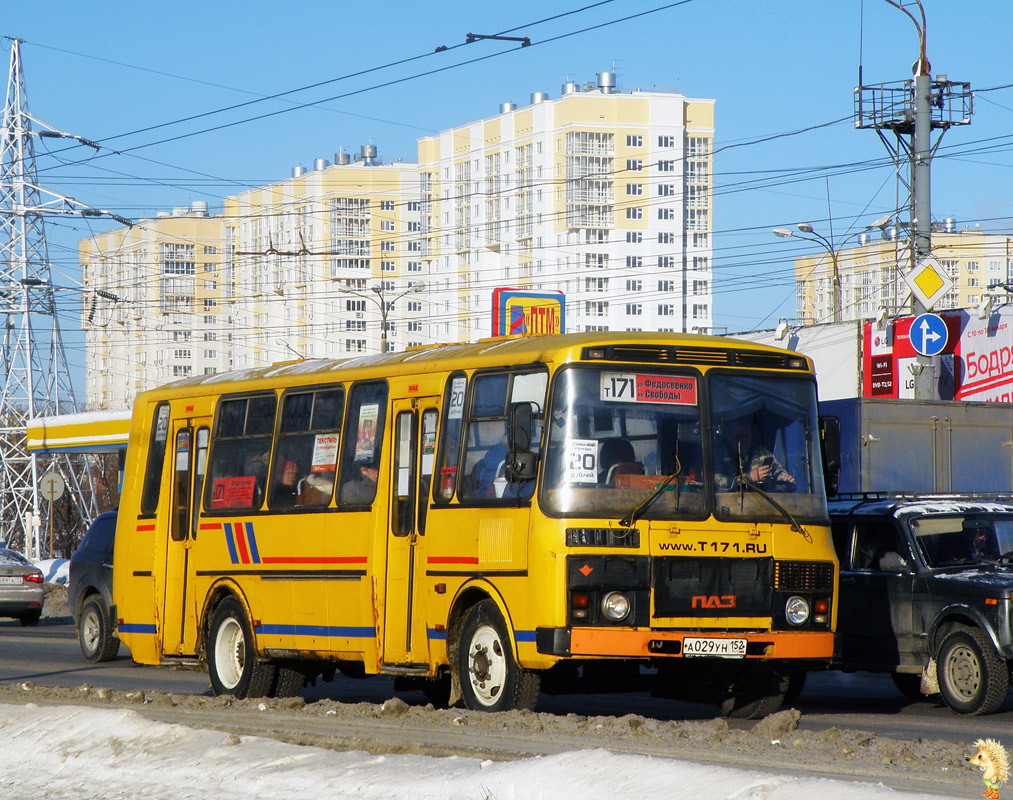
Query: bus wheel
point(232, 663)
point(288, 682)
point(972, 677)
point(489, 676)
point(748, 692)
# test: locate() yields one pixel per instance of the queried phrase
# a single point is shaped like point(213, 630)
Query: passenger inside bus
point(360, 489)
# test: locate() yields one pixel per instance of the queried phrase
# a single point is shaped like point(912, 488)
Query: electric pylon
point(33, 365)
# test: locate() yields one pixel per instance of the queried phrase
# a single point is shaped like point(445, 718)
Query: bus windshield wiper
point(644, 504)
point(795, 526)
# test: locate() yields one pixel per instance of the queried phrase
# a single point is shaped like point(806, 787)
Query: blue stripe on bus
point(251, 542)
point(135, 627)
point(316, 630)
point(432, 633)
point(231, 542)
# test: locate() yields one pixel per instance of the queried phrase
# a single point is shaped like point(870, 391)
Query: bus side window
point(450, 439)
point(360, 452)
point(484, 473)
point(156, 459)
point(240, 453)
point(306, 455)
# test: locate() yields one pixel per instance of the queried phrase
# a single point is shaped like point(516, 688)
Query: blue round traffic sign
point(928, 334)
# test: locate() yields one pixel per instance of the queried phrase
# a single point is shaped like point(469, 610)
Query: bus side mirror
point(522, 463)
point(830, 448)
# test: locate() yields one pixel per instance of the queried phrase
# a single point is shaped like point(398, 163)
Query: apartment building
point(602, 195)
point(150, 310)
point(326, 263)
point(871, 283)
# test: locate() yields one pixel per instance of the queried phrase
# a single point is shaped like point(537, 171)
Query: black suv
point(927, 594)
point(90, 590)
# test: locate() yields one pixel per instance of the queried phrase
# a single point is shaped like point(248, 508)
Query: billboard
point(523, 312)
point(976, 363)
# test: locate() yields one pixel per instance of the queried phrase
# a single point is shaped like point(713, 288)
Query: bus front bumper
point(606, 642)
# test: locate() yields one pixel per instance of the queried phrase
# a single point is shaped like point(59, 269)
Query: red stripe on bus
point(210, 526)
point(314, 559)
point(240, 533)
point(141, 528)
point(452, 560)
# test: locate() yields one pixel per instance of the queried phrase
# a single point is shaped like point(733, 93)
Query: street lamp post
point(833, 251)
point(378, 299)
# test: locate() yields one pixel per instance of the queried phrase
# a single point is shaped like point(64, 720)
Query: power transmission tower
point(33, 365)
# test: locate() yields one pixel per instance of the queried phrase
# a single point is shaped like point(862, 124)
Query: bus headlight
point(796, 610)
point(615, 606)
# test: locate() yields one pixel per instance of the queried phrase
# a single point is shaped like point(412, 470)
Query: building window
point(666, 310)
point(666, 262)
point(634, 213)
point(634, 285)
point(634, 261)
point(387, 247)
point(666, 189)
point(666, 141)
point(666, 286)
point(634, 309)
point(666, 213)
point(634, 141)
point(634, 237)
point(666, 237)
point(635, 189)
point(634, 164)
point(386, 205)
point(386, 266)
point(386, 225)
point(666, 166)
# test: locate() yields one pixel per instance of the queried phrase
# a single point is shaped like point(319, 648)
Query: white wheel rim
point(91, 630)
point(230, 653)
point(487, 665)
point(963, 671)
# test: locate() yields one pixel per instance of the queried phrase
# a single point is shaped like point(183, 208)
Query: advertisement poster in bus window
point(233, 492)
point(365, 441)
point(325, 452)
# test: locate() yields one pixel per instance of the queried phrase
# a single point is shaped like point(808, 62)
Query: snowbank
point(94, 754)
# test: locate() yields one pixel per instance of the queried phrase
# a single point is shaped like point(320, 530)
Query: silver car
point(21, 591)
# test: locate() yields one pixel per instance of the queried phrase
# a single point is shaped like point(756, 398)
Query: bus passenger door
point(189, 462)
point(413, 449)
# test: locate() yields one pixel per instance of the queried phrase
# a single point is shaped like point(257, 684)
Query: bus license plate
point(721, 648)
point(11, 579)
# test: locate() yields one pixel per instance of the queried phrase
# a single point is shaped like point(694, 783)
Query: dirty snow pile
point(77, 753)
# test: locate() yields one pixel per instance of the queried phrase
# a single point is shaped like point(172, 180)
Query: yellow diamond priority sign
point(928, 281)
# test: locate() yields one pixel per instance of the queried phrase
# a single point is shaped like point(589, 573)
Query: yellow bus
point(475, 517)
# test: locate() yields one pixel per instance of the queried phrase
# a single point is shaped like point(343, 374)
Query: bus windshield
point(765, 448)
point(615, 435)
point(610, 439)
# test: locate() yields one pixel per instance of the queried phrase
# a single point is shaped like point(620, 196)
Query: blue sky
point(111, 72)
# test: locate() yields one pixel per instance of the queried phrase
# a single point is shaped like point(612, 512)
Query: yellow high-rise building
point(871, 283)
point(151, 309)
point(602, 195)
point(313, 264)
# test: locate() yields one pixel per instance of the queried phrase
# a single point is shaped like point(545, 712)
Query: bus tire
point(288, 682)
point(972, 677)
point(232, 661)
point(94, 631)
point(751, 692)
point(489, 675)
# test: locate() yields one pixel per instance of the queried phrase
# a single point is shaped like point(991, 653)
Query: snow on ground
point(77, 753)
point(55, 570)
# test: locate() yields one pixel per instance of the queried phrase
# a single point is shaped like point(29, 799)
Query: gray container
point(924, 446)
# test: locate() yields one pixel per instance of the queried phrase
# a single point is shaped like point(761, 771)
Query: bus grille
point(803, 576)
point(659, 354)
point(602, 537)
